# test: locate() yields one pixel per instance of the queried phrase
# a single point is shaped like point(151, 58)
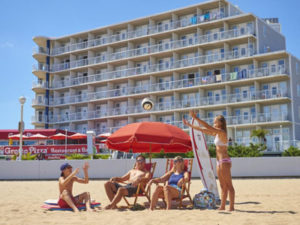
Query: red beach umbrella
point(78, 136)
point(104, 135)
point(150, 137)
point(38, 137)
point(58, 136)
point(17, 137)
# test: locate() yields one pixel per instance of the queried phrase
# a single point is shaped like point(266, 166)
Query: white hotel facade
point(210, 57)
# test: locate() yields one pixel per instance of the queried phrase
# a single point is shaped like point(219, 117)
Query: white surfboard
point(203, 160)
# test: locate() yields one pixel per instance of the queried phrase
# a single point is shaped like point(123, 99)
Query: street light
point(22, 101)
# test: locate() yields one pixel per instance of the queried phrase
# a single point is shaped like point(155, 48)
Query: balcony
point(155, 49)
point(179, 84)
point(203, 102)
point(39, 102)
point(38, 120)
point(39, 85)
point(235, 121)
point(196, 61)
point(138, 33)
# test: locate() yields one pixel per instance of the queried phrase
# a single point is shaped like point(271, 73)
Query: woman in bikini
point(175, 177)
point(219, 130)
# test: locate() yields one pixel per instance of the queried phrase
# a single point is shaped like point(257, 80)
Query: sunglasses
point(140, 160)
point(178, 160)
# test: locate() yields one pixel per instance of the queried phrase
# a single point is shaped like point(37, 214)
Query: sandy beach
point(258, 201)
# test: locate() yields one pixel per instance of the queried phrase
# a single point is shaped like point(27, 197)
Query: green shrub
point(212, 150)
point(189, 154)
point(27, 156)
point(254, 150)
point(291, 151)
point(82, 156)
point(77, 157)
point(98, 156)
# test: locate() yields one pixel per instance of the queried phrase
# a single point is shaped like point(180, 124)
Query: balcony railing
point(172, 85)
point(154, 49)
point(181, 104)
point(42, 84)
point(40, 67)
point(41, 50)
point(156, 68)
point(233, 121)
point(137, 33)
point(39, 102)
point(38, 119)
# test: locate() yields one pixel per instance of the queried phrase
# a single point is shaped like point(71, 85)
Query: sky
point(21, 20)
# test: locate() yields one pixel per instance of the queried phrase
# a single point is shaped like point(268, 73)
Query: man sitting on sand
point(115, 191)
point(66, 181)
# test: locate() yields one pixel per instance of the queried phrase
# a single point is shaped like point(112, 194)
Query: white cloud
point(7, 44)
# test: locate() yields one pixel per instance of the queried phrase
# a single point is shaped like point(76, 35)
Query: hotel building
point(210, 57)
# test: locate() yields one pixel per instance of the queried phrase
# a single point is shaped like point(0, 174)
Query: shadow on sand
point(266, 212)
point(246, 203)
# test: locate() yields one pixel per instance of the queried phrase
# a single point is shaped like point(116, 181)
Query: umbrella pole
point(150, 155)
point(66, 142)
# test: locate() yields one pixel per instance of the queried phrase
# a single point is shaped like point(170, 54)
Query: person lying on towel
point(66, 180)
point(115, 191)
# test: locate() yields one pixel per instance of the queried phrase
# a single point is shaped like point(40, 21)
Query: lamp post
point(22, 100)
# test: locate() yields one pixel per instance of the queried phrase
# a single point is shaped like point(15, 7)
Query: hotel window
point(250, 27)
point(242, 30)
point(217, 97)
point(264, 31)
point(274, 90)
point(281, 63)
point(297, 68)
point(273, 68)
point(245, 93)
point(246, 115)
point(298, 90)
point(253, 112)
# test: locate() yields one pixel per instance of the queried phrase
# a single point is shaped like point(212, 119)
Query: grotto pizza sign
point(46, 149)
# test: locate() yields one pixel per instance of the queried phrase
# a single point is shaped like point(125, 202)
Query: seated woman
point(176, 178)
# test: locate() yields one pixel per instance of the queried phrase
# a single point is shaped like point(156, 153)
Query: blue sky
point(21, 20)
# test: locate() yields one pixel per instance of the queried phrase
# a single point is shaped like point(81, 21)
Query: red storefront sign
point(46, 149)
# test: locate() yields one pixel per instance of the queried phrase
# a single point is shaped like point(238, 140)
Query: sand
point(258, 201)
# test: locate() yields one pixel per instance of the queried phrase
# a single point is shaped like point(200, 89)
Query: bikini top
point(218, 142)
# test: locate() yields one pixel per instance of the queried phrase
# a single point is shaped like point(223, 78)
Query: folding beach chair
point(185, 189)
point(144, 193)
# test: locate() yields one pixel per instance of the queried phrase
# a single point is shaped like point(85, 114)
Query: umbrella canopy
point(58, 136)
point(38, 137)
point(78, 136)
point(17, 137)
point(150, 137)
point(104, 135)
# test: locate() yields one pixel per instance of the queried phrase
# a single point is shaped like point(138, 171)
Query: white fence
point(241, 167)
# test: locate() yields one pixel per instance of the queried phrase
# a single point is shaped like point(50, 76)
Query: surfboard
point(203, 160)
point(58, 208)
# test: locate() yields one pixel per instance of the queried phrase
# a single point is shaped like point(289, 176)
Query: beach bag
point(204, 200)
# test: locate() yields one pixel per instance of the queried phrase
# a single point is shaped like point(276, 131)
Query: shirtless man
point(115, 191)
point(66, 181)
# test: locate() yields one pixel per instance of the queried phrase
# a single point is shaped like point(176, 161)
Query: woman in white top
point(219, 130)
